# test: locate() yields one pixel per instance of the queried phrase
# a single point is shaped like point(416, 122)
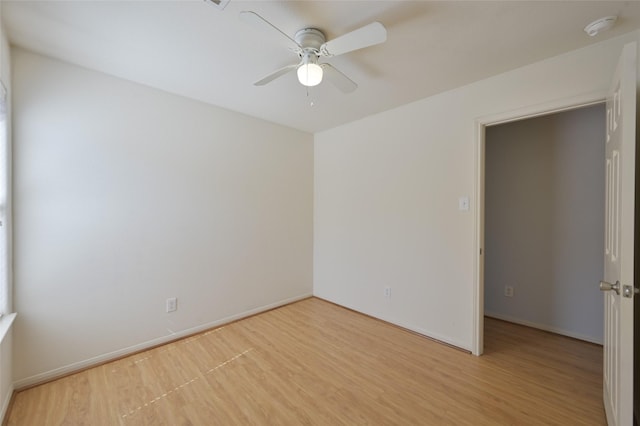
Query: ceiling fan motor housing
point(310, 39)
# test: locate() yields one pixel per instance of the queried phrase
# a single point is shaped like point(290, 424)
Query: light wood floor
point(315, 363)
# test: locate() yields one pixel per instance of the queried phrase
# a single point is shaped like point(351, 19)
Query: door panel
point(619, 244)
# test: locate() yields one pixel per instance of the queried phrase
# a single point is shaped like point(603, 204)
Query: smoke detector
point(599, 25)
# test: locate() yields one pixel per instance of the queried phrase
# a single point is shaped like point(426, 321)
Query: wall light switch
point(172, 304)
point(463, 203)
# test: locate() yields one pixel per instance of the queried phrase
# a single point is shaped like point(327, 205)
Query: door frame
point(531, 111)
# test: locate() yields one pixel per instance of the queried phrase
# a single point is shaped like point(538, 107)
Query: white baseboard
point(426, 333)
point(545, 327)
point(431, 335)
point(5, 404)
point(101, 359)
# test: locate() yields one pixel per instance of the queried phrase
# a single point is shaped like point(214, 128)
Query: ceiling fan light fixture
point(310, 74)
point(310, 43)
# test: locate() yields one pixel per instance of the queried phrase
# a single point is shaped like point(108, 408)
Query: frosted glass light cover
point(310, 74)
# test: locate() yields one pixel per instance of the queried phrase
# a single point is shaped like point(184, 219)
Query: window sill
point(5, 324)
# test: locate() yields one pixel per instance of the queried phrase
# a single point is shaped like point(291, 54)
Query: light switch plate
point(172, 304)
point(463, 203)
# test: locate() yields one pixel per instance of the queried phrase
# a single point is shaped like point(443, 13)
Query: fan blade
point(258, 21)
point(374, 33)
point(341, 81)
point(276, 74)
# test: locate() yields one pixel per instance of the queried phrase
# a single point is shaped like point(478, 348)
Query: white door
point(619, 239)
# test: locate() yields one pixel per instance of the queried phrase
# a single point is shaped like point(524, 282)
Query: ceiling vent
point(220, 4)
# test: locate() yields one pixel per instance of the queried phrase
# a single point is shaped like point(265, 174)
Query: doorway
point(481, 124)
point(544, 192)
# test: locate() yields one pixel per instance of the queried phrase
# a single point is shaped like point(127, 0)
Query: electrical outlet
point(508, 291)
point(172, 304)
point(387, 292)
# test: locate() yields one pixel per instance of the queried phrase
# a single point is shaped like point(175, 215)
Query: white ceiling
point(192, 48)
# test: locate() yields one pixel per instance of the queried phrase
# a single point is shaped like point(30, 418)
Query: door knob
point(628, 291)
point(605, 286)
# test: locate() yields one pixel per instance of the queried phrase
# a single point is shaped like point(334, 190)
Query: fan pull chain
point(311, 103)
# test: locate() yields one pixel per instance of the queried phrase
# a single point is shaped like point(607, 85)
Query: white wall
point(544, 212)
point(125, 196)
point(6, 346)
point(387, 189)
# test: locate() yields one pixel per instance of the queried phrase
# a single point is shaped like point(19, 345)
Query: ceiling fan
point(310, 45)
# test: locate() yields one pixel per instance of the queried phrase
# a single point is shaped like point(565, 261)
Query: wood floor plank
point(314, 363)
